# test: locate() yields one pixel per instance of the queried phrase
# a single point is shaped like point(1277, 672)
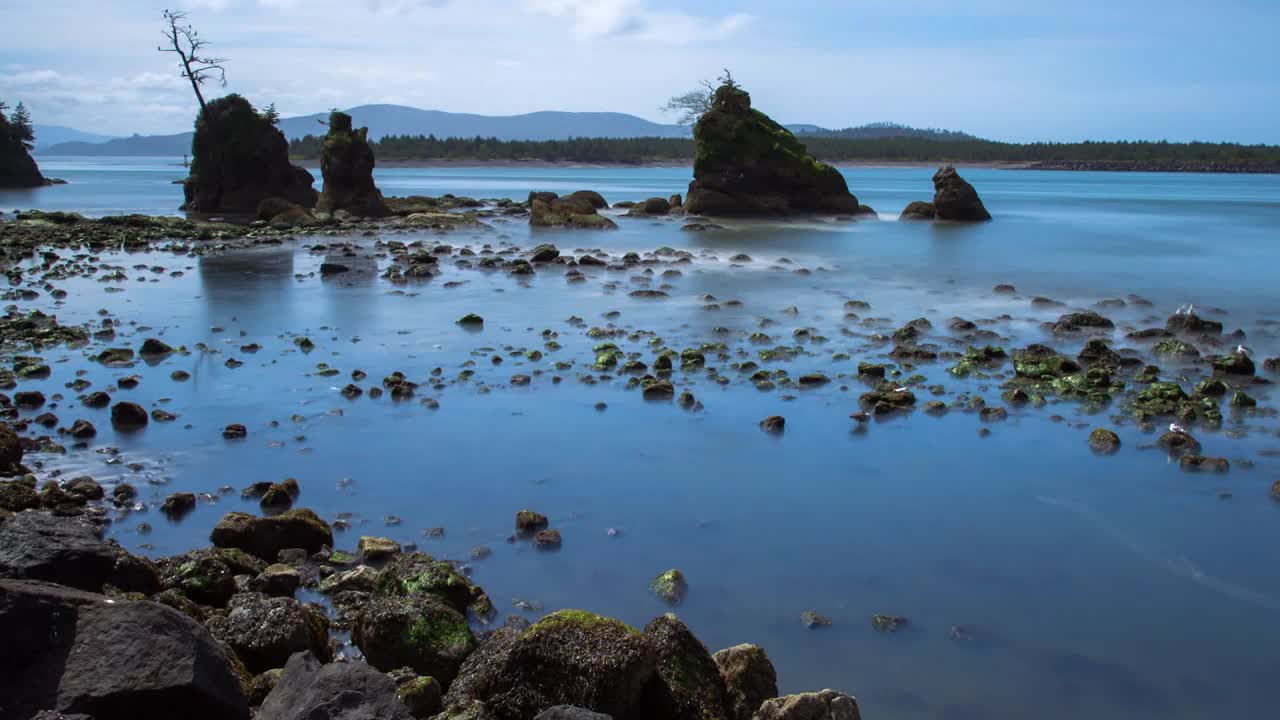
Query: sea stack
point(346, 163)
point(239, 159)
point(748, 165)
point(953, 199)
point(17, 168)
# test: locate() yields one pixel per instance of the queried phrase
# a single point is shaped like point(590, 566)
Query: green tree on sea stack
point(198, 68)
point(20, 127)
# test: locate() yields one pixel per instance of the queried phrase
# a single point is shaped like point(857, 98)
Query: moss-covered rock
point(570, 657)
point(416, 631)
point(239, 158)
point(422, 695)
point(418, 574)
point(747, 164)
point(547, 210)
point(1234, 364)
point(10, 450)
point(1104, 441)
point(687, 684)
point(749, 679)
point(671, 586)
point(346, 164)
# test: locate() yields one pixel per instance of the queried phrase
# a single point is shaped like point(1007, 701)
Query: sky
point(1012, 70)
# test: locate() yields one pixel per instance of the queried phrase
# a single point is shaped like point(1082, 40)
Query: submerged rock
point(346, 164)
point(670, 586)
point(747, 164)
point(265, 537)
point(239, 159)
point(1104, 441)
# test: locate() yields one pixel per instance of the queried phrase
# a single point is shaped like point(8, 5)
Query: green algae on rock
point(746, 164)
point(671, 586)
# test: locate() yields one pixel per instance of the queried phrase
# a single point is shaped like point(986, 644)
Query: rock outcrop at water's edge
point(953, 199)
point(745, 164)
point(574, 211)
point(17, 168)
point(239, 159)
point(195, 636)
point(346, 164)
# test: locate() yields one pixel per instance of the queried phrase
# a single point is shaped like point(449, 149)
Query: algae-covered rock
point(749, 679)
point(10, 450)
point(570, 657)
point(346, 164)
point(687, 684)
point(747, 164)
point(421, 694)
point(547, 210)
point(265, 537)
point(1104, 441)
point(419, 574)
point(1234, 364)
point(671, 586)
point(239, 158)
point(421, 632)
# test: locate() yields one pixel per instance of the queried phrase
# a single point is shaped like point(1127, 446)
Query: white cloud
point(595, 18)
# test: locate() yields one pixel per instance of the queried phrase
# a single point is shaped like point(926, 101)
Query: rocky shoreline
point(1153, 167)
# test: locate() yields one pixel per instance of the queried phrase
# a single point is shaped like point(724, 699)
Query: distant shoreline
point(439, 162)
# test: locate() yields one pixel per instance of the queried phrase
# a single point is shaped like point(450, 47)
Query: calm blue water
point(1101, 587)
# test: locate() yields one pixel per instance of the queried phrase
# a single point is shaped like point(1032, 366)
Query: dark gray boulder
point(955, 199)
point(749, 679)
point(570, 712)
point(309, 690)
point(266, 631)
point(82, 653)
point(39, 546)
point(265, 537)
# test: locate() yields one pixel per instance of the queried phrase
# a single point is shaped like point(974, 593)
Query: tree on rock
point(186, 43)
point(746, 164)
point(239, 159)
point(17, 168)
point(697, 102)
point(346, 163)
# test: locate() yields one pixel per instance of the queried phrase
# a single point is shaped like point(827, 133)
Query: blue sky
point(1030, 70)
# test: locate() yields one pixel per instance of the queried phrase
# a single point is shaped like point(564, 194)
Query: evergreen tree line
point(16, 129)
point(831, 149)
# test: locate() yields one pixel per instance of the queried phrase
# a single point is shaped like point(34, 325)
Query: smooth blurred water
point(1101, 587)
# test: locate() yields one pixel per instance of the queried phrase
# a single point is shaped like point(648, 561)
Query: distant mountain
point(878, 130)
point(383, 120)
point(49, 135)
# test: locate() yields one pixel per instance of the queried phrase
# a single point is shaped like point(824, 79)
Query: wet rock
point(1096, 352)
point(547, 539)
point(570, 657)
point(346, 165)
point(593, 198)
point(687, 684)
point(39, 546)
point(415, 631)
point(265, 631)
point(545, 252)
point(812, 619)
point(310, 690)
point(265, 537)
point(528, 521)
point(16, 496)
point(887, 623)
point(79, 652)
point(773, 424)
point(1188, 323)
point(1234, 364)
point(1104, 441)
point(277, 580)
point(375, 550)
point(749, 679)
point(178, 505)
point(128, 416)
point(235, 431)
point(239, 159)
point(422, 695)
point(658, 390)
point(566, 212)
point(418, 573)
point(1177, 442)
point(29, 400)
point(651, 207)
point(825, 705)
point(471, 319)
point(85, 488)
point(1081, 322)
point(1004, 289)
point(570, 712)
point(155, 348)
point(361, 578)
point(955, 199)
point(1201, 463)
point(280, 496)
point(205, 576)
point(671, 586)
point(96, 400)
point(1241, 399)
point(747, 164)
point(919, 210)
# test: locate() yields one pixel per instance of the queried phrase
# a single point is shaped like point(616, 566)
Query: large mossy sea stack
point(346, 163)
point(239, 159)
point(746, 164)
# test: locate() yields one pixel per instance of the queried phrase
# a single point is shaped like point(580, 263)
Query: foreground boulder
point(825, 705)
point(39, 546)
point(10, 451)
point(309, 690)
point(687, 684)
point(417, 631)
point(570, 657)
point(746, 164)
point(346, 164)
point(749, 679)
point(239, 158)
point(81, 653)
point(266, 631)
point(953, 199)
point(265, 537)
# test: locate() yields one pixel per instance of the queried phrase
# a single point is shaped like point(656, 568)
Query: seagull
point(1191, 309)
point(1242, 350)
point(1176, 428)
point(1180, 310)
point(901, 389)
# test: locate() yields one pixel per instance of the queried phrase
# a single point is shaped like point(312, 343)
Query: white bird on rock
point(1176, 428)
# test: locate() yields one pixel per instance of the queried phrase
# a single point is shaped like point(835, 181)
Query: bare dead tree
point(692, 105)
point(197, 68)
